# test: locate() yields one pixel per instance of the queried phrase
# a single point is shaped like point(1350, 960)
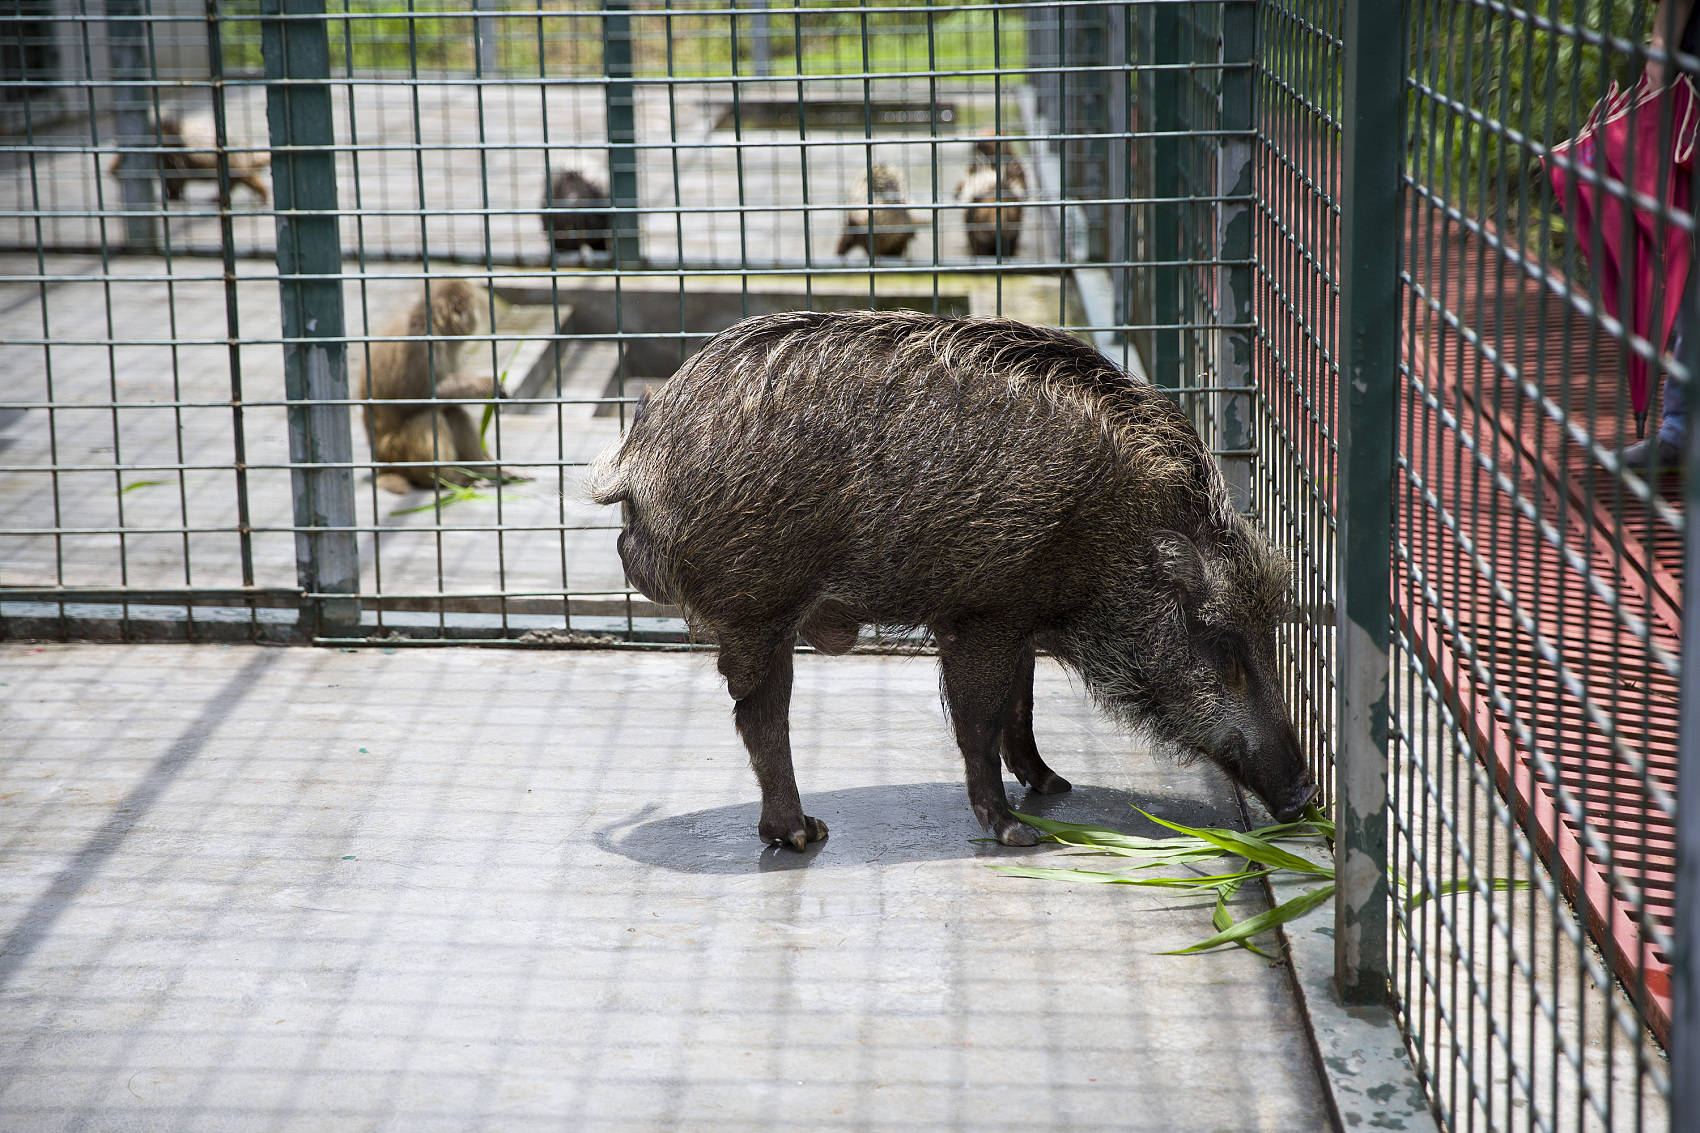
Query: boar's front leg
point(760, 683)
point(1020, 753)
point(980, 662)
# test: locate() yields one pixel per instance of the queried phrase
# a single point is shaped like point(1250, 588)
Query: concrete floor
point(246, 888)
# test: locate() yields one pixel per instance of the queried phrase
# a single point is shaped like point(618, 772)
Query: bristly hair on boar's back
point(1002, 484)
point(868, 427)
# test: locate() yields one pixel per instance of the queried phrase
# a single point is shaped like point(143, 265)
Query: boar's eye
point(1233, 672)
point(1229, 652)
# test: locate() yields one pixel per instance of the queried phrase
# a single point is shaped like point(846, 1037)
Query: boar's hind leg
point(760, 683)
point(980, 663)
point(1020, 753)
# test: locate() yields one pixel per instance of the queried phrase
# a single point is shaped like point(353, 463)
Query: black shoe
point(1640, 454)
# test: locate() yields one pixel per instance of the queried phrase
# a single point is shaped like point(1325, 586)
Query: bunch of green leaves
point(447, 495)
point(1260, 852)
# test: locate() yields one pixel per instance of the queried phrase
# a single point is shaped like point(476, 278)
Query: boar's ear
point(1179, 560)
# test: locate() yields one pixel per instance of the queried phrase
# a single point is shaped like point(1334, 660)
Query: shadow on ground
point(904, 822)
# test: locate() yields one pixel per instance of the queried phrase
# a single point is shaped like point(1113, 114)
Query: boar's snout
point(1294, 808)
point(1276, 770)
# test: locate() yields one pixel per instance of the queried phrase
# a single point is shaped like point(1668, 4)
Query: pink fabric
point(1654, 250)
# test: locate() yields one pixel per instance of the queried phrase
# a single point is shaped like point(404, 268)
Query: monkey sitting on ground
point(429, 442)
point(892, 228)
point(187, 151)
point(994, 177)
point(573, 213)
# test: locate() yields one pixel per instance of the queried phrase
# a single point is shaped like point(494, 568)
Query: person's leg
point(1673, 416)
point(1672, 433)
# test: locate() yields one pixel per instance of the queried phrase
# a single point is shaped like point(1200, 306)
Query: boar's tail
point(608, 479)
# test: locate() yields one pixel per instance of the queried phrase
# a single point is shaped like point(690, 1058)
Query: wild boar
point(1005, 486)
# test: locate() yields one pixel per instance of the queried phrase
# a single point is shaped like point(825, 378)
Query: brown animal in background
point(188, 152)
point(995, 176)
point(989, 148)
point(1005, 486)
point(893, 227)
point(574, 213)
point(418, 437)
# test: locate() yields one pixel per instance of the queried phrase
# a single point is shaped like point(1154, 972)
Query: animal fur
point(995, 177)
point(1005, 486)
point(575, 213)
point(432, 441)
point(893, 226)
point(188, 152)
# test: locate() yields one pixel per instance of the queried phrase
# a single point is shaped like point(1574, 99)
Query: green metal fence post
point(1167, 273)
point(1685, 957)
point(617, 95)
point(1369, 371)
point(1091, 92)
point(487, 32)
point(1235, 441)
point(761, 40)
point(309, 265)
point(138, 173)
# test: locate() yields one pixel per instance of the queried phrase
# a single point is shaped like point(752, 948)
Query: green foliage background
point(563, 38)
point(1488, 83)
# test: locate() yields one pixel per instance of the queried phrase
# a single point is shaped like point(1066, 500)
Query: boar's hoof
point(1011, 831)
point(1049, 783)
point(791, 834)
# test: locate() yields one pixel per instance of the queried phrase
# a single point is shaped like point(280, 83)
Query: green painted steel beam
point(618, 96)
point(1685, 957)
point(1235, 430)
point(1369, 370)
point(137, 173)
point(1166, 346)
point(315, 350)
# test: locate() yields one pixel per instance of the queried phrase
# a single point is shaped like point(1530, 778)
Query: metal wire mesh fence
point(1534, 563)
point(616, 182)
point(1535, 620)
point(241, 242)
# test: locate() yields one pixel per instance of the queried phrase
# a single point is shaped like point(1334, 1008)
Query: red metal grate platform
point(1542, 593)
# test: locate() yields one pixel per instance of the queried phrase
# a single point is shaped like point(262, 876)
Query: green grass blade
point(490, 406)
point(1220, 916)
point(1303, 828)
point(1052, 873)
point(1262, 922)
point(1082, 834)
point(1148, 859)
point(1224, 920)
point(1464, 885)
point(445, 498)
point(1135, 860)
point(134, 484)
point(1246, 846)
point(1107, 877)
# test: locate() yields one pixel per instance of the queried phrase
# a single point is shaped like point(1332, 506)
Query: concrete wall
point(81, 49)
